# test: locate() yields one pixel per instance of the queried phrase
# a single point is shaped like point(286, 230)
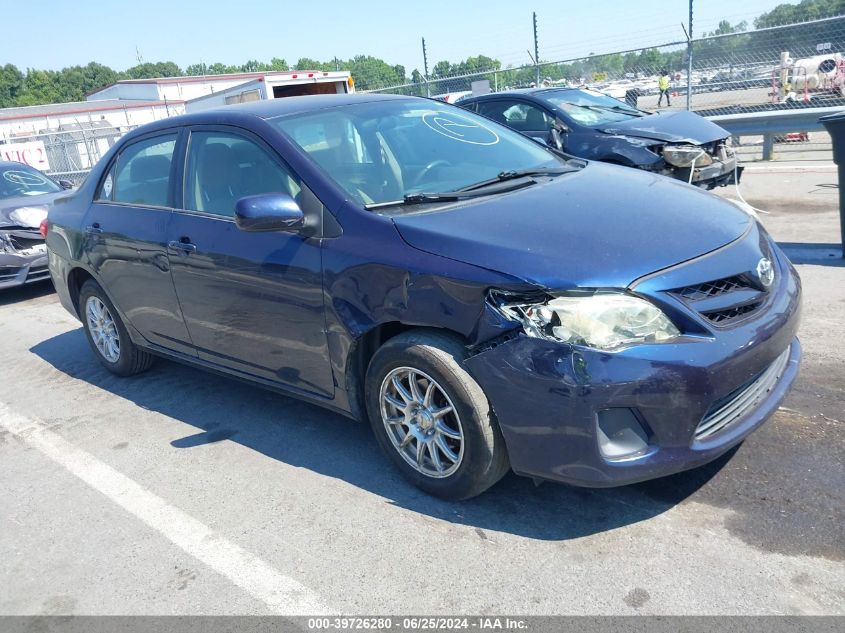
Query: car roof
point(267, 109)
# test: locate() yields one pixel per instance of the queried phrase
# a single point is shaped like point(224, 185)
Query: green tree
point(11, 85)
point(196, 70)
point(40, 86)
point(801, 12)
point(150, 70)
point(371, 72)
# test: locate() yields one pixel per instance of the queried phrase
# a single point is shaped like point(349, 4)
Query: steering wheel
point(437, 162)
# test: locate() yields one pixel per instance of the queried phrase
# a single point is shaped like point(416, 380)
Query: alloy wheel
point(103, 329)
point(421, 422)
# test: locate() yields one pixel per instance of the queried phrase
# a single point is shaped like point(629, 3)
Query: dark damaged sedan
point(488, 304)
point(25, 196)
point(596, 126)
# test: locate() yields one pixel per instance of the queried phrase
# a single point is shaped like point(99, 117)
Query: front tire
point(432, 418)
point(107, 335)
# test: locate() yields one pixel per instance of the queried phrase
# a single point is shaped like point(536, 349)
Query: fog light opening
point(621, 435)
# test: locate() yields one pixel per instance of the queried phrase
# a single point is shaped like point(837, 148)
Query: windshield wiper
point(514, 174)
point(423, 197)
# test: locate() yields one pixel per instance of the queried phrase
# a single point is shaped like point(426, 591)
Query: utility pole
point(336, 64)
point(537, 50)
point(425, 67)
point(689, 59)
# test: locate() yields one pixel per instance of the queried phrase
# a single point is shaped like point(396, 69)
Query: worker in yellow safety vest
point(663, 85)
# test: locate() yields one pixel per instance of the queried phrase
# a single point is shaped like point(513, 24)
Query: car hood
point(601, 227)
point(671, 127)
point(7, 205)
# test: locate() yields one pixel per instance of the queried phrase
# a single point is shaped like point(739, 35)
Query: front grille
point(7, 274)
point(723, 301)
point(737, 404)
point(712, 288)
point(721, 316)
point(37, 273)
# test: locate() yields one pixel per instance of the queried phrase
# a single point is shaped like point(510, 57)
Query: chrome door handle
point(185, 248)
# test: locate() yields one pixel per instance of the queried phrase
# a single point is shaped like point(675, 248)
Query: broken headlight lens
point(602, 320)
point(684, 155)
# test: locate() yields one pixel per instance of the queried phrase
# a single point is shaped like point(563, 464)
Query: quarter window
point(223, 168)
point(142, 173)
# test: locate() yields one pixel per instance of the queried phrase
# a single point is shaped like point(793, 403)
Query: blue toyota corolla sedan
point(486, 303)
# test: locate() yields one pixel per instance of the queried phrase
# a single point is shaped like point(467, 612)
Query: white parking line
point(824, 167)
point(281, 594)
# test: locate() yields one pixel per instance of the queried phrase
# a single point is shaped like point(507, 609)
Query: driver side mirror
point(65, 184)
point(268, 212)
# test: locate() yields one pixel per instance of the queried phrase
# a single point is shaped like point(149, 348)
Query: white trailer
point(276, 86)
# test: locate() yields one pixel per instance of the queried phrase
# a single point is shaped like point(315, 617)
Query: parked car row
point(486, 301)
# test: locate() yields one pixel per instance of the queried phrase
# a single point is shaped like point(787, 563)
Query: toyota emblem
point(765, 272)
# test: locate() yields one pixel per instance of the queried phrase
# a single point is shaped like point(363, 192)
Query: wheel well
point(361, 354)
point(75, 279)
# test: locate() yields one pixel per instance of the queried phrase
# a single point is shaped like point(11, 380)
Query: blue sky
point(52, 34)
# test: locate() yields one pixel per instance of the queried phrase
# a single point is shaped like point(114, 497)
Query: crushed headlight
point(602, 320)
point(685, 155)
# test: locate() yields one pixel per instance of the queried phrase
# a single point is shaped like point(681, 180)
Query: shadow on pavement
point(19, 294)
point(306, 436)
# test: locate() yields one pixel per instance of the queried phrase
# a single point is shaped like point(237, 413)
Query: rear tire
point(432, 418)
point(107, 335)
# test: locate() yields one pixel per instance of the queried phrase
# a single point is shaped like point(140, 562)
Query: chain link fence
point(782, 67)
point(67, 153)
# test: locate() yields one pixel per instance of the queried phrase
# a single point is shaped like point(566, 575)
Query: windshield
point(591, 108)
point(23, 180)
point(382, 151)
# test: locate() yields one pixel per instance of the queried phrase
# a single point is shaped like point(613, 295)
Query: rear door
point(253, 302)
point(126, 239)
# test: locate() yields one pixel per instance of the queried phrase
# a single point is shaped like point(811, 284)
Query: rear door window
point(142, 173)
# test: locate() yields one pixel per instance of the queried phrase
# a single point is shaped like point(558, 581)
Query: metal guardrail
point(772, 124)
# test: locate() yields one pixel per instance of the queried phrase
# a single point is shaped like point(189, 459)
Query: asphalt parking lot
point(181, 492)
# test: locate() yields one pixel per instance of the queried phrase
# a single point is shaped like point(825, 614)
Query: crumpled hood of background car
point(671, 127)
point(603, 226)
point(8, 205)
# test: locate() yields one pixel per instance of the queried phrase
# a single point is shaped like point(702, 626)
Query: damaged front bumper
point(719, 174)
point(24, 265)
point(724, 170)
point(550, 402)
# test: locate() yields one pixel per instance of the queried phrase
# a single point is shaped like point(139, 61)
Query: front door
point(126, 231)
point(252, 302)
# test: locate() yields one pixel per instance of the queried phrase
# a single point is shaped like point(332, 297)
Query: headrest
point(146, 168)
